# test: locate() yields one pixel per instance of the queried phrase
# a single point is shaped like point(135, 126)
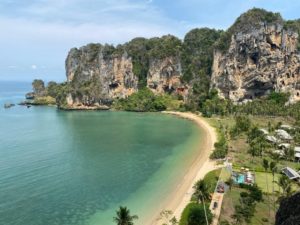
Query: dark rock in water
point(289, 211)
point(29, 95)
point(8, 105)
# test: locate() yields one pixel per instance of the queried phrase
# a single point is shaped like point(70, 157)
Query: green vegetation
point(146, 101)
point(44, 100)
point(196, 59)
point(194, 213)
point(123, 217)
point(211, 179)
point(143, 51)
point(293, 25)
point(245, 22)
point(38, 87)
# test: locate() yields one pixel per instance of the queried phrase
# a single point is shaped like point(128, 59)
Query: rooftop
point(283, 134)
point(292, 174)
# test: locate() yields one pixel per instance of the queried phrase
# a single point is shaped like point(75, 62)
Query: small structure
point(243, 178)
point(279, 152)
point(264, 131)
point(290, 173)
point(283, 135)
point(286, 127)
point(271, 139)
point(297, 149)
point(284, 146)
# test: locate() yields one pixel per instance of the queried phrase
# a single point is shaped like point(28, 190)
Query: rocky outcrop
point(289, 211)
point(164, 76)
point(259, 60)
point(106, 76)
point(99, 74)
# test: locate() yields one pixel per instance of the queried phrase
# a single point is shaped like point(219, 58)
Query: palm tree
point(202, 194)
point(123, 217)
point(266, 167)
point(273, 168)
point(285, 184)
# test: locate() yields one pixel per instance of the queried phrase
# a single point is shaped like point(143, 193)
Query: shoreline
point(180, 197)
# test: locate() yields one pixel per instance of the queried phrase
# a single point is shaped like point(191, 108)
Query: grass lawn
point(211, 179)
point(260, 179)
point(261, 216)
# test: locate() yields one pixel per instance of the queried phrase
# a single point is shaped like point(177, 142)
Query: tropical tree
point(123, 216)
point(273, 168)
point(286, 185)
point(199, 216)
point(266, 167)
point(202, 194)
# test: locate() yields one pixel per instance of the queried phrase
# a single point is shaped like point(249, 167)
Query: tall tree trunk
point(268, 193)
point(205, 212)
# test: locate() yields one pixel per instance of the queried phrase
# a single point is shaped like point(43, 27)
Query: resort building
point(279, 152)
point(286, 127)
point(284, 146)
point(290, 173)
point(283, 135)
point(264, 131)
point(272, 139)
point(297, 153)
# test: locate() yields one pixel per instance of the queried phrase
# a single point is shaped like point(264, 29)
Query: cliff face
point(107, 77)
point(259, 60)
point(164, 76)
point(98, 76)
point(289, 211)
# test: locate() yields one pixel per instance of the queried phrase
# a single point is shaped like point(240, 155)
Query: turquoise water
point(76, 168)
point(241, 179)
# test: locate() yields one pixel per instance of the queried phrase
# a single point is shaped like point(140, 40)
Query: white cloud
point(34, 67)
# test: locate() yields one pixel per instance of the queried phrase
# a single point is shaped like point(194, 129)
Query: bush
point(194, 214)
point(142, 101)
point(221, 148)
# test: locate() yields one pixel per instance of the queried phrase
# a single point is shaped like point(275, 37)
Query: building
point(283, 135)
point(284, 146)
point(286, 127)
point(290, 173)
point(279, 152)
point(297, 153)
point(264, 131)
point(271, 139)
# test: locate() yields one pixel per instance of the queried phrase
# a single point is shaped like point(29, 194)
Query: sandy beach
point(181, 196)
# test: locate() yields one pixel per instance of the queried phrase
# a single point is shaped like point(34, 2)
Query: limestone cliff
point(258, 54)
point(164, 76)
point(99, 74)
point(260, 59)
point(105, 76)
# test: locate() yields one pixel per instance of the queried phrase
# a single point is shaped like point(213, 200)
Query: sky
point(36, 35)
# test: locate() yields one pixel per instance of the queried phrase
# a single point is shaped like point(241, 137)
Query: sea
point(77, 167)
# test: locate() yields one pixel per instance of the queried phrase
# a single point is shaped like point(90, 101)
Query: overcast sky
point(36, 35)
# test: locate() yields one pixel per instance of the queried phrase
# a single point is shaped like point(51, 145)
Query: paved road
point(217, 197)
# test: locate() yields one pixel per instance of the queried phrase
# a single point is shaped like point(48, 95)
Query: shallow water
point(76, 168)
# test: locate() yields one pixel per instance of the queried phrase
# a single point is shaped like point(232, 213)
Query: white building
point(272, 139)
point(283, 135)
point(264, 131)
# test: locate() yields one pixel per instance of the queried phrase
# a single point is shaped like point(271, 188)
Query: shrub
point(193, 213)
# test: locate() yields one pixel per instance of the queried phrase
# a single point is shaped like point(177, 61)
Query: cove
point(76, 168)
